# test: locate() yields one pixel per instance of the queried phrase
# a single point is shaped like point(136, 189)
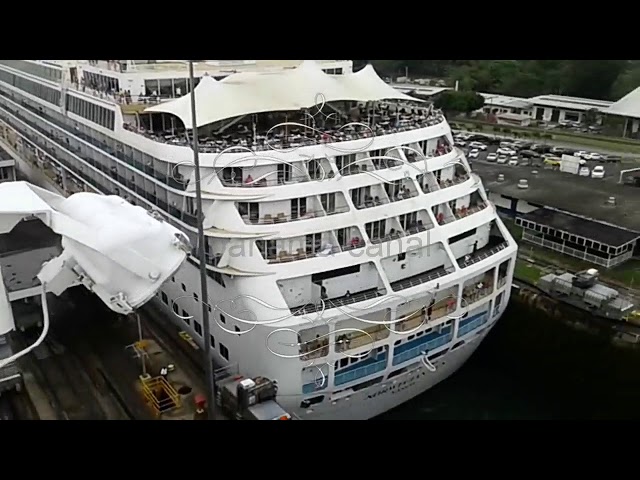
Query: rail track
point(6, 408)
point(72, 379)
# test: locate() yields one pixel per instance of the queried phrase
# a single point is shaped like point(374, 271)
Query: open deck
point(366, 125)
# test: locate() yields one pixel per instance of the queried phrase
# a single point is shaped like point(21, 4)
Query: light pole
point(204, 298)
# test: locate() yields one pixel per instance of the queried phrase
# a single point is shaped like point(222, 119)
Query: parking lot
point(547, 185)
point(519, 153)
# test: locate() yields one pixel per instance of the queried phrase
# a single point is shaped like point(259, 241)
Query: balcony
point(357, 339)
point(439, 309)
point(421, 278)
point(392, 235)
point(302, 254)
point(269, 219)
point(494, 246)
point(464, 212)
point(400, 190)
point(272, 179)
point(337, 302)
point(477, 291)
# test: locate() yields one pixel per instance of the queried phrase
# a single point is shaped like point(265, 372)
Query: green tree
point(456, 102)
point(591, 116)
point(626, 82)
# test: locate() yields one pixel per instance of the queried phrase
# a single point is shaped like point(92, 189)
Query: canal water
point(535, 367)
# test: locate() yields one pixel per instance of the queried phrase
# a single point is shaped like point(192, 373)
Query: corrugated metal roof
point(570, 103)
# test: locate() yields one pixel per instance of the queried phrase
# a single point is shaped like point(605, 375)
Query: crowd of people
point(304, 131)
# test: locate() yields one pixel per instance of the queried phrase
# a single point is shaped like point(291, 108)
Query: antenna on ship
point(201, 252)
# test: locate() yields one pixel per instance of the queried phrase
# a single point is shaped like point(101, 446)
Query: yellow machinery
point(160, 395)
point(633, 317)
point(552, 161)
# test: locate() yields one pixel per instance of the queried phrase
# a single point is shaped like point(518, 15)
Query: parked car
point(612, 158)
point(502, 159)
point(513, 162)
point(592, 156)
point(584, 171)
point(540, 148)
point(597, 172)
point(506, 151)
point(474, 153)
point(492, 157)
point(580, 153)
point(478, 145)
point(529, 154)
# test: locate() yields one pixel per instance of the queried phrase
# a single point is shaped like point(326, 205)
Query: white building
point(558, 108)
point(629, 108)
point(503, 104)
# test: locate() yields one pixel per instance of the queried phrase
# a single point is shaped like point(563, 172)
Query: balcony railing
point(482, 254)
point(474, 294)
point(388, 238)
point(439, 310)
point(403, 195)
point(283, 218)
point(336, 302)
point(421, 278)
point(466, 211)
point(301, 254)
point(269, 181)
point(371, 202)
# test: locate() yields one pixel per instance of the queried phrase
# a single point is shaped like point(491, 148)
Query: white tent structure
point(286, 90)
point(627, 106)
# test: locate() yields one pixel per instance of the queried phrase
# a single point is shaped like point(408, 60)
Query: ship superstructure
point(352, 255)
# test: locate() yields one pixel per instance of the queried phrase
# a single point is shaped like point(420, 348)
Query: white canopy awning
point(627, 106)
point(292, 89)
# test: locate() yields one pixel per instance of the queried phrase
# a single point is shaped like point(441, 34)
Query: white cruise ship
point(352, 255)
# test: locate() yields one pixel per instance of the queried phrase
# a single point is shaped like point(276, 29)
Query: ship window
point(198, 328)
point(95, 113)
point(186, 317)
point(328, 201)
point(402, 256)
point(184, 288)
point(166, 87)
point(175, 308)
point(223, 319)
point(151, 87)
point(298, 207)
point(213, 341)
point(179, 86)
point(173, 279)
point(165, 299)
point(224, 351)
